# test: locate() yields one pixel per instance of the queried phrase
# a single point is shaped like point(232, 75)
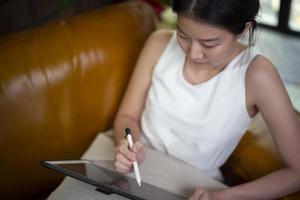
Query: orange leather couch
point(254, 157)
point(61, 83)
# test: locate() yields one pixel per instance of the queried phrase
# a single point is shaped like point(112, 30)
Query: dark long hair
point(231, 15)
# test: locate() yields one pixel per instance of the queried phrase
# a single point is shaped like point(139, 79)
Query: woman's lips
point(200, 62)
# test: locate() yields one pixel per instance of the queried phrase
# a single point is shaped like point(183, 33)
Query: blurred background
point(278, 36)
point(15, 15)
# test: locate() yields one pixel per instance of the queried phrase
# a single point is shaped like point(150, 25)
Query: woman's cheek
point(184, 46)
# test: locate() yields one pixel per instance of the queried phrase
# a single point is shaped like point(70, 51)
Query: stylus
point(135, 165)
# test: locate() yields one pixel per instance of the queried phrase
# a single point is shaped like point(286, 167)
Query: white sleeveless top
point(199, 124)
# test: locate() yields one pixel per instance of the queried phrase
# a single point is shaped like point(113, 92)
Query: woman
point(199, 88)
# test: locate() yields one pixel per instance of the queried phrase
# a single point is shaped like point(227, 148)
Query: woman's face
point(206, 46)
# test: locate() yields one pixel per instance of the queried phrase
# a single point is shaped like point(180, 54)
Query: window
point(294, 19)
point(269, 12)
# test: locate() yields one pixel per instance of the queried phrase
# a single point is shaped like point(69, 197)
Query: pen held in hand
point(135, 165)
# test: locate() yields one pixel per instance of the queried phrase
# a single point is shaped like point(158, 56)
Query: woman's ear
point(246, 30)
point(247, 27)
point(245, 34)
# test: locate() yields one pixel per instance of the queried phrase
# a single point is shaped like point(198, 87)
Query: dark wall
point(16, 15)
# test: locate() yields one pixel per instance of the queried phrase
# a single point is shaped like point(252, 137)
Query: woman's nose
point(196, 52)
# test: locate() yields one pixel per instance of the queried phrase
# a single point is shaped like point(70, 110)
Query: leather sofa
point(255, 156)
point(62, 82)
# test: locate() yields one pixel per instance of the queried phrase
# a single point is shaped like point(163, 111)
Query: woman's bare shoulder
point(261, 69)
point(161, 37)
point(155, 46)
point(263, 80)
point(158, 40)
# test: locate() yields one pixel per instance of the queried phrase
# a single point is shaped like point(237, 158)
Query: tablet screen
point(109, 181)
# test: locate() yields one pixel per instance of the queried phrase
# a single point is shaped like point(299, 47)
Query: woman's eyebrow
point(201, 40)
point(180, 30)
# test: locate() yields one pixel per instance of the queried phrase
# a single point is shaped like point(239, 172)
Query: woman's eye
point(183, 36)
point(209, 45)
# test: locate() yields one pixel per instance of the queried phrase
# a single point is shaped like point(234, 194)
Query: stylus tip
point(139, 183)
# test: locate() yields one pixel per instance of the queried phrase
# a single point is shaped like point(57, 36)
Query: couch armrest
point(254, 157)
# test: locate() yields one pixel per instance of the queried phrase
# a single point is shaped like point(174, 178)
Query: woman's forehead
point(198, 28)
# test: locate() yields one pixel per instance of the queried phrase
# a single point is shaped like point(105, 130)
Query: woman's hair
point(231, 15)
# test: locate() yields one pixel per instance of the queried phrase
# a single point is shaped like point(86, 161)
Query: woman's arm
point(267, 92)
point(132, 105)
point(133, 102)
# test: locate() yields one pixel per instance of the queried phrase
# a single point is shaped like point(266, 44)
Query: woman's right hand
point(124, 157)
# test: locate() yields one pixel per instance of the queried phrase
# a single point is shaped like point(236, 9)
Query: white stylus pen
point(135, 165)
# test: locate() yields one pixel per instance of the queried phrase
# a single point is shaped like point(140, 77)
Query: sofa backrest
point(61, 83)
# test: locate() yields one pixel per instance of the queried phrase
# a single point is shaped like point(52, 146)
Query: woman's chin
point(202, 66)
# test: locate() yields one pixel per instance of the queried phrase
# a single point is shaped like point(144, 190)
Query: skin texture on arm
point(266, 93)
point(132, 105)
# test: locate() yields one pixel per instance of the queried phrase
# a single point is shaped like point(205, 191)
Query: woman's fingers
point(125, 157)
point(199, 194)
point(122, 159)
point(122, 163)
point(123, 149)
point(123, 168)
point(139, 149)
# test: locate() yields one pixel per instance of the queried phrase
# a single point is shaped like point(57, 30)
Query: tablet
point(110, 181)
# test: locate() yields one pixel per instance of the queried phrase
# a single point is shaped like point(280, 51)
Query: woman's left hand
point(202, 194)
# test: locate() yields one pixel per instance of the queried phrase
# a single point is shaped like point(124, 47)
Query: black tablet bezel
point(101, 187)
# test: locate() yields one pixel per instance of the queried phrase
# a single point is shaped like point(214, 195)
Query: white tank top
point(199, 124)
